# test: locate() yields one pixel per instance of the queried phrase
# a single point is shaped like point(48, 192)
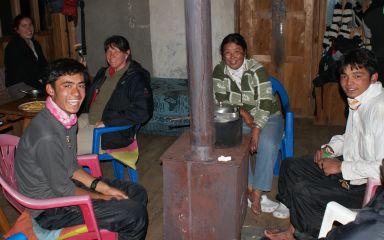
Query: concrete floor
point(308, 138)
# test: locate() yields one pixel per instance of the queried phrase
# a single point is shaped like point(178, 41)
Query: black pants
point(305, 190)
point(128, 217)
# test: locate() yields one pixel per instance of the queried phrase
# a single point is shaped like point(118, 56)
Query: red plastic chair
point(8, 144)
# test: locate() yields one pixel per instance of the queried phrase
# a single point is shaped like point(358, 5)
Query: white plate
point(34, 106)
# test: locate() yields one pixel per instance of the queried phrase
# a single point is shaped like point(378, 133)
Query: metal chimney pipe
point(199, 52)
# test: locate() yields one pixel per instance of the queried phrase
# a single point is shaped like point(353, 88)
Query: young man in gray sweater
point(46, 166)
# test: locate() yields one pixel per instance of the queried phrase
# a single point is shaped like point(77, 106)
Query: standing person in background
point(23, 59)
point(244, 82)
point(119, 95)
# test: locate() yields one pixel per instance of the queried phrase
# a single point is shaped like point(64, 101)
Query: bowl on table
point(34, 93)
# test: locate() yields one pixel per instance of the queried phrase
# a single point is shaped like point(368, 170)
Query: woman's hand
point(253, 144)
point(247, 117)
point(99, 124)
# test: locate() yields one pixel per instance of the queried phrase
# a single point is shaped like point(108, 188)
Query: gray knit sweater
point(46, 159)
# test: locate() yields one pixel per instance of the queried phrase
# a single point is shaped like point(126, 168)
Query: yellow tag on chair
point(128, 158)
point(67, 234)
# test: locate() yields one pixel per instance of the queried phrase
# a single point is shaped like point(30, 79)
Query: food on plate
point(35, 106)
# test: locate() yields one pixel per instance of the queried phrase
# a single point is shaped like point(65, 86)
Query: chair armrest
point(92, 162)
point(84, 202)
point(97, 132)
point(335, 212)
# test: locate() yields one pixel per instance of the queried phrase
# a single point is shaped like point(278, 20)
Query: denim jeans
point(127, 217)
point(267, 151)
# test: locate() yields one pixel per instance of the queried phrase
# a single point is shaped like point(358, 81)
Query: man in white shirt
point(339, 170)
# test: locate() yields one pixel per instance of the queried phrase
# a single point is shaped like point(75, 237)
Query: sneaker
point(268, 205)
point(281, 212)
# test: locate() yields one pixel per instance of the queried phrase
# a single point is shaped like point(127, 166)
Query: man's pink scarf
point(67, 120)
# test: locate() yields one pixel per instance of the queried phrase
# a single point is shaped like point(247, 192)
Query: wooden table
point(13, 113)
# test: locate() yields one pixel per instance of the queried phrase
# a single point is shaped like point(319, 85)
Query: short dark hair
point(63, 67)
point(18, 18)
point(119, 42)
point(358, 58)
point(234, 38)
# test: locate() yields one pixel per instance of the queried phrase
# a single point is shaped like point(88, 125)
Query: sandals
point(281, 212)
point(278, 210)
point(268, 205)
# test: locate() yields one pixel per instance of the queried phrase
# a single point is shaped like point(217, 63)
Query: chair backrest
point(8, 145)
point(287, 142)
point(278, 88)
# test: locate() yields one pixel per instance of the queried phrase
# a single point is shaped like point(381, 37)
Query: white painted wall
point(168, 39)
point(129, 18)
point(155, 30)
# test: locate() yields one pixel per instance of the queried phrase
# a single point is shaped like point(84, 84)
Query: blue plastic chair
point(118, 167)
point(286, 146)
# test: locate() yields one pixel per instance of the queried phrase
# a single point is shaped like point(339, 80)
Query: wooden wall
point(302, 28)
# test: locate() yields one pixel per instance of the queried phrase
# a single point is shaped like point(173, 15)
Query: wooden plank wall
point(301, 45)
point(57, 42)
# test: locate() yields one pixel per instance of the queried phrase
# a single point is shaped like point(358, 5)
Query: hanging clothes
point(347, 23)
point(347, 31)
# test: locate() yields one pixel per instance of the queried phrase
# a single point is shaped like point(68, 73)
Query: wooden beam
point(64, 36)
point(35, 14)
point(15, 8)
point(59, 36)
point(308, 52)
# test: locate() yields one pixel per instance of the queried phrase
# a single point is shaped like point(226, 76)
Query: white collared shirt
point(362, 144)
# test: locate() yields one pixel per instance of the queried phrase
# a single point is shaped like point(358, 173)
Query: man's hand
point(102, 190)
point(109, 192)
point(318, 155)
point(112, 192)
point(330, 166)
point(325, 152)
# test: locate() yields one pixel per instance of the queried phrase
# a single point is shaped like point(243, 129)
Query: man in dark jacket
point(120, 94)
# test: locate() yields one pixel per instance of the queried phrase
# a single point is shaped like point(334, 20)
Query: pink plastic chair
point(339, 213)
point(370, 190)
point(8, 144)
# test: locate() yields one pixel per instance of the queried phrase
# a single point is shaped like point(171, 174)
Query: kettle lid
point(226, 108)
